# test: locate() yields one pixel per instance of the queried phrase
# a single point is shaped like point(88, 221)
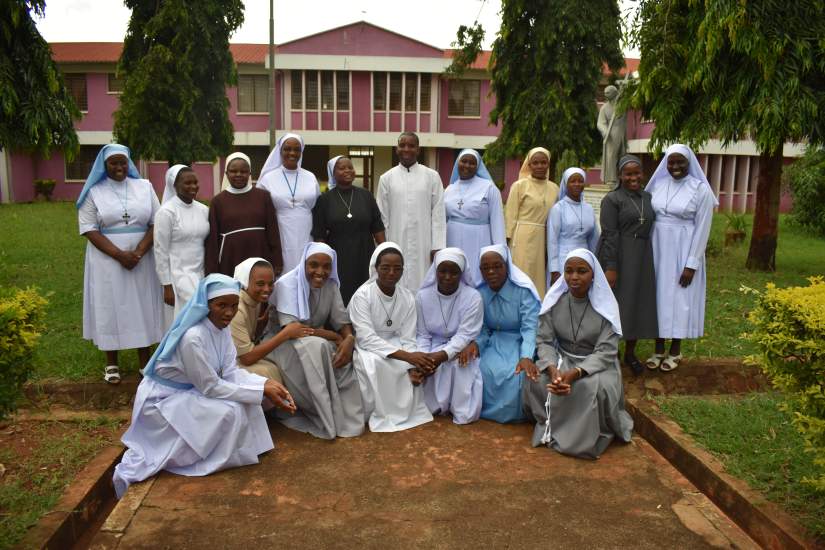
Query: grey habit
point(625, 247)
point(585, 422)
point(328, 399)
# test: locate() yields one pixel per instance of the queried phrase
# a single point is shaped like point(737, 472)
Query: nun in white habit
point(578, 401)
point(450, 315)
point(317, 369)
point(181, 227)
point(294, 192)
point(195, 411)
point(385, 349)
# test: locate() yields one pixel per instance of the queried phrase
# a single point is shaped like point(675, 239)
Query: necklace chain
point(292, 188)
point(392, 307)
point(639, 209)
point(576, 330)
point(124, 201)
point(348, 206)
point(449, 313)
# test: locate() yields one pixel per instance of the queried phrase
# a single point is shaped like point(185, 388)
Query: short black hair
point(409, 134)
point(388, 251)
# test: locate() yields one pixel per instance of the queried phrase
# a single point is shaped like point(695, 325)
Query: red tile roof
point(109, 52)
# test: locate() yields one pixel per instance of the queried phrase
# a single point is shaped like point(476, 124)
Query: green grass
point(40, 246)
point(757, 443)
point(36, 477)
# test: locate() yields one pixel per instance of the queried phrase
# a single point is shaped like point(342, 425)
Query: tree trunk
point(762, 252)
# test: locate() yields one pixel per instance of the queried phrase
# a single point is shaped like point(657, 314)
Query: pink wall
point(101, 104)
point(256, 122)
point(156, 173)
point(361, 101)
point(468, 126)
point(360, 39)
point(22, 176)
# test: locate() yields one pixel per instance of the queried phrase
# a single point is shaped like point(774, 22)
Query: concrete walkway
point(436, 486)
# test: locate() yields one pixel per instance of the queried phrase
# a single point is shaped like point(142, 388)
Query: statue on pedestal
point(613, 127)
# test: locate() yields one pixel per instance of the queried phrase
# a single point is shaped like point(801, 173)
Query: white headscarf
point(378, 250)
point(600, 294)
point(565, 176)
point(450, 254)
point(331, 171)
point(274, 161)
point(516, 275)
point(244, 269)
point(292, 290)
point(661, 174)
point(171, 176)
point(225, 185)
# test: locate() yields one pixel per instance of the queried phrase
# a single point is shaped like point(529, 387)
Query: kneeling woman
point(195, 411)
point(450, 314)
point(317, 368)
point(581, 384)
point(388, 367)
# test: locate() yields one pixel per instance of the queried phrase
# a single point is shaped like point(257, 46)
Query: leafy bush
point(567, 159)
point(806, 177)
point(21, 321)
point(789, 330)
point(44, 188)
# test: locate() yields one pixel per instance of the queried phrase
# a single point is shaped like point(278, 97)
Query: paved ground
point(436, 486)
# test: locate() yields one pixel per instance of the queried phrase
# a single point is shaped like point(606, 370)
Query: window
point(79, 168)
point(342, 89)
point(411, 92)
point(312, 90)
point(257, 155)
point(297, 90)
point(426, 83)
point(115, 85)
point(379, 91)
point(76, 84)
point(252, 93)
point(395, 91)
point(327, 91)
point(464, 98)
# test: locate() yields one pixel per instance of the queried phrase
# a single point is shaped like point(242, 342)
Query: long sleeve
point(212, 244)
point(472, 317)
point(438, 213)
point(511, 208)
point(319, 221)
point(198, 371)
point(365, 335)
point(529, 316)
point(384, 198)
point(608, 253)
point(273, 236)
point(701, 230)
point(553, 231)
point(497, 226)
point(423, 338)
point(604, 352)
point(162, 244)
point(546, 342)
point(376, 223)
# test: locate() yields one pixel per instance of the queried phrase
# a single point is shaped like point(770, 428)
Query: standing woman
point(293, 192)
point(683, 201)
point(571, 224)
point(625, 252)
point(475, 217)
point(181, 226)
point(347, 218)
point(122, 304)
point(242, 222)
point(527, 207)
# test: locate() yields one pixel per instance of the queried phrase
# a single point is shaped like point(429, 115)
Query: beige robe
point(244, 335)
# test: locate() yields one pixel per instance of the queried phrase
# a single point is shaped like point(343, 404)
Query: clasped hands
point(561, 383)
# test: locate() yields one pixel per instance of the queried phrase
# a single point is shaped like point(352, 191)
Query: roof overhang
point(360, 63)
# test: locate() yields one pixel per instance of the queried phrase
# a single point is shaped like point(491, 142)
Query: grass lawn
point(766, 450)
point(40, 246)
point(40, 460)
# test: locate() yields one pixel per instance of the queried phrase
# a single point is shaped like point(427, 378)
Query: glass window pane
point(464, 98)
point(80, 167)
point(342, 88)
point(115, 85)
point(327, 95)
point(426, 83)
point(246, 94)
point(297, 90)
point(312, 89)
point(261, 93)
point(379, 91)
point(76, 84)
point(395, 91)
point(410, 92)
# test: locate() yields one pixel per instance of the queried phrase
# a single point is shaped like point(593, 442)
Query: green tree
point(177, 65)
point(37, 111)
point(546, 65)
point(735, 70)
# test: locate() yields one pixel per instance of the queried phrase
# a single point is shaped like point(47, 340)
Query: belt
point(467, 221)
point(168, 383)
point(225, 235)
point(124, 229)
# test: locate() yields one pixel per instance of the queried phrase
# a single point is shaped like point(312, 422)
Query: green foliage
point(468, 44)
point(546, 65)
point(567, 159)
point(21, 321)
point(44, 187)
point(788, 328)
point(37, 112)
point(736, 222)
point(807, 182)
point(177, 64)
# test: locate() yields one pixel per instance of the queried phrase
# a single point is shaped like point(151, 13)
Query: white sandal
point(671, 362)
point(111, 374)
point(654, 362)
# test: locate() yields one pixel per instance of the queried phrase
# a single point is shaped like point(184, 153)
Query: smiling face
point(343, 172)
point(186, 186)
point(261, 282)
point(578, 275)
point(237, 172)
point(467, 166)
point(631, 176)
point(318, 268)
point(493, 270)
point(290, 153)
point(677, 165)
point(222, 309)
point(390, 268)
point(448, 275)
point(407, 150)
point(117, 167)
point(575, 186)
point(539, 163)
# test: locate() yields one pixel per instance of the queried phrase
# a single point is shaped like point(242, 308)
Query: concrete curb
point(79, 506)
point(763, 521)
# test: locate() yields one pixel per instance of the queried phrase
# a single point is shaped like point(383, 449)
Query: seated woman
point(388, 367)
point(450, 313)
point(578, 403)
point(507, 342)
point(317, 368)
point(257, 279)
point(195, 412)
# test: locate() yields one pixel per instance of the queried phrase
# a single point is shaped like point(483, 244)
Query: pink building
point(344, 91)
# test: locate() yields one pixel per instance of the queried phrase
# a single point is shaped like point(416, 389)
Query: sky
point(434, 22)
